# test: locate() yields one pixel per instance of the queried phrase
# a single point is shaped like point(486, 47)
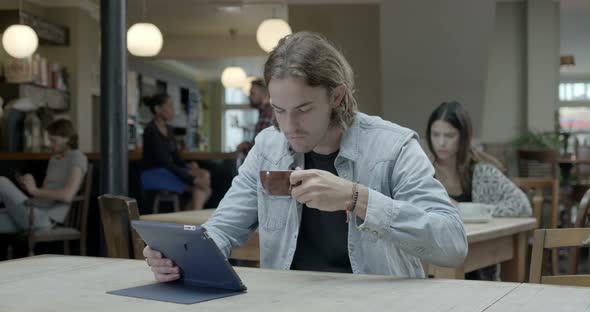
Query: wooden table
point(502, 240)
point(194, 217)
point(71, 283)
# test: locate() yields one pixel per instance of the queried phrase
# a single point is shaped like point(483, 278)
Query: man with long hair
point(364, 198)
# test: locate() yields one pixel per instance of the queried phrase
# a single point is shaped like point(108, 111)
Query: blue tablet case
point(205, 272)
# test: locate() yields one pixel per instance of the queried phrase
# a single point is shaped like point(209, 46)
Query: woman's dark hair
point(64, 128)
point(155, 100)
point(454, 113)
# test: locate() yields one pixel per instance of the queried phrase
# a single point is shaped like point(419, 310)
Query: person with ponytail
point(160, 152)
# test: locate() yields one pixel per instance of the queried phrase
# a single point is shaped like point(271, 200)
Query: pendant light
point(270, 31)
point(144, 39)
point(20, 40)
point(233, 76)
point(567, 60)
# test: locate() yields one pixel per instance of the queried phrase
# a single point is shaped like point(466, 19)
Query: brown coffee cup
point(276, 182)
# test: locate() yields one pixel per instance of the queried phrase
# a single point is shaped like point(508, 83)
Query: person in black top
point(160, 151)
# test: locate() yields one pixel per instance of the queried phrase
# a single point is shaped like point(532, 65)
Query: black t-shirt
point(322, 244)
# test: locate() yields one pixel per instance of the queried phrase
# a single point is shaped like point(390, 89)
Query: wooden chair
point(557, 238)
point(116, 213)
point(537, 163)
point(577, 188)
point(582, 171)
point(535, 188)
point(74, 227)
point(581, 220)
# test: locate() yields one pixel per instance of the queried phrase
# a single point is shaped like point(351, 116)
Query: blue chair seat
point(160, 179)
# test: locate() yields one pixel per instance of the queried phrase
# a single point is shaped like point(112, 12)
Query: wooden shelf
point(40, 86)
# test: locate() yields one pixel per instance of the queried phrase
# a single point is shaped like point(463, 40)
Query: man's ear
point(337, 95)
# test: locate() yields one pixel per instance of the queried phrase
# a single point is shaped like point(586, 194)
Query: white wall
point(191, 47)
point(81, 57)
point(434, 51)
point(498, 59)
point(355, 30)
point(542, 63)
point(88, 60)
point(575, 36)
point(503, 113)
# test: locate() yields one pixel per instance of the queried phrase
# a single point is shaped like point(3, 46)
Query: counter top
point(132, 156)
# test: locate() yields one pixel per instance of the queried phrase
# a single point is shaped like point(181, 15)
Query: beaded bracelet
point(355, 197)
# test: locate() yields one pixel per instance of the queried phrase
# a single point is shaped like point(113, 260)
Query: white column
point(542, 63)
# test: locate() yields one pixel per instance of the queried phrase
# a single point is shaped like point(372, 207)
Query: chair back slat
point(581, 222)
point(537, 190)
point(557, 238)
point(116, 212)
point(567, 280)
point(138, 243)
point(86, 197)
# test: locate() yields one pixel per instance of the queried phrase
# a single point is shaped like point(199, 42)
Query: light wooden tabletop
point(71, 283)
point(194, 217)
point(498, 227)
point(537, 297)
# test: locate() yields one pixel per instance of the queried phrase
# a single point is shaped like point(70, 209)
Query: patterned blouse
point(491, 186)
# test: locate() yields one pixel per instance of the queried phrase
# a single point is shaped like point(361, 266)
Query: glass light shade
point(270, 31)
point(144, 39)
point(233, 77)
point(20, 41)
point(567, 60)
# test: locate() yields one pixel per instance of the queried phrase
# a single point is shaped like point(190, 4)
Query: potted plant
point(537, 141)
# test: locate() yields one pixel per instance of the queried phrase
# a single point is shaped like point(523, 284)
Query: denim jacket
point(409, 215)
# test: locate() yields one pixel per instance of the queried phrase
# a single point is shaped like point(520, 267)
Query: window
point(576, 122)
point(574, 91)
point(235, 96)
point(239, 119)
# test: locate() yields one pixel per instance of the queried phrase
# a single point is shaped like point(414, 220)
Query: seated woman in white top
point(50, 201)
point(467, 174)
